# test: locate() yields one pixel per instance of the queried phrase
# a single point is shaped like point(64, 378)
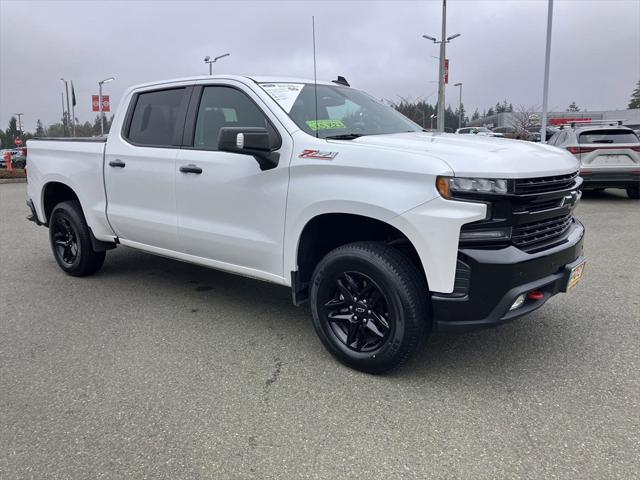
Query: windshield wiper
point(344, 136)
point(602, 141)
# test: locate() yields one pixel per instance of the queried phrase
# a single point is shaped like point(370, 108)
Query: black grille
point(540, 206)
point(545, 184)
point(535, 232)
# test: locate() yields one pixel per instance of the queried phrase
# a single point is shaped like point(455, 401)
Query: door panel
point(232, 212)
point(141, 196)
point(139, 167)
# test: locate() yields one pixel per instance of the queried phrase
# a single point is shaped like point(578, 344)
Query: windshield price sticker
point(325, 124)
point(283, 93)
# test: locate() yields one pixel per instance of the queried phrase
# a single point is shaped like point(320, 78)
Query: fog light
point(518, 303)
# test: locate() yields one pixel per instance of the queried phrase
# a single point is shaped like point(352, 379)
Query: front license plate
point(576, 275)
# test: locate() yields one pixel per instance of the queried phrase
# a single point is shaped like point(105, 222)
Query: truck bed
point(77, 163)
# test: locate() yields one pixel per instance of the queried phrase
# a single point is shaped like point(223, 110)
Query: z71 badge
point(307, 153)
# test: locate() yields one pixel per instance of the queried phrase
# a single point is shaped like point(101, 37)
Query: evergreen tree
point(573, 107)
point(40, 132)
point(476, 115)
point(635, 97)
point(11, 133)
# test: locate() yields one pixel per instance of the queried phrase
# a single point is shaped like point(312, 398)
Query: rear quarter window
point(608, 136)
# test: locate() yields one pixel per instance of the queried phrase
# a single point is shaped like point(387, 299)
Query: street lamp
point(100, 83)
point(441, 115)
point(208, 60)
point(460, 106)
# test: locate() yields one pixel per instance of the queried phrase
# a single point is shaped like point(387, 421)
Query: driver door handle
point(191, 168)
point(117, 163)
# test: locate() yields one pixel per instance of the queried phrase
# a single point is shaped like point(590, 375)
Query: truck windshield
point(342, 112)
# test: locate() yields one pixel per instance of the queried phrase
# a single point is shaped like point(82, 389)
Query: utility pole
point(66, 87)
point(64, 114)
point(545, 91)
point(460, 105)
point(19, 115)
point(441, 87)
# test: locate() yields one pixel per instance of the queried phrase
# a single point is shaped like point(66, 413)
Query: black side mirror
point(254, 141)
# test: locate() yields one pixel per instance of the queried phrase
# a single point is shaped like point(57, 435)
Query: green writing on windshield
point(325, 124)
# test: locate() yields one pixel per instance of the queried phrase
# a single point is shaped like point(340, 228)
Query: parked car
point(514, 133)
point(535, 131)
point(609, 154)
point(388, 231)
point(18, 159)
point(482, 131)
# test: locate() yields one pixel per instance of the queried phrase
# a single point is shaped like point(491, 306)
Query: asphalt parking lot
point(158, 369)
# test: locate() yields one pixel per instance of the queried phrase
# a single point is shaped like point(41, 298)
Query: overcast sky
point(377, 46)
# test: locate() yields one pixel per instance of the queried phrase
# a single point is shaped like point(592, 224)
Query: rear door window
point(156, 117)
point(608, 136)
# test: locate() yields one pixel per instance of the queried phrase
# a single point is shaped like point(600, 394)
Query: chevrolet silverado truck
point(388, 231)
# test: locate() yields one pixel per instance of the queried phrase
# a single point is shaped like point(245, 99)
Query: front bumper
point(495, 278)
point(610, 179)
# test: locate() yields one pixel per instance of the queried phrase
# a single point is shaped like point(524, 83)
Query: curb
point(12, 180)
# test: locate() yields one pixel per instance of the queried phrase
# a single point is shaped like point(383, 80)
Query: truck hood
point(481, 156)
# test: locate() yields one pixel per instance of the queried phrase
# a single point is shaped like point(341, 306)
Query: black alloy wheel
point(70, 239)
point(369, 304)
point(358, 312)
point(65, 240)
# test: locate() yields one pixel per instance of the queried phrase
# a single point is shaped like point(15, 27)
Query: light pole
point(66, 87)
point(208, 60)
point(19, 115)
point(545, 90)
point(460, 106)
point(100, 83)
point(444, 40)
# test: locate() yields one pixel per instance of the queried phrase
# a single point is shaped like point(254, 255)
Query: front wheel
point(70, 240)
point(633, 192)
point(369, 306)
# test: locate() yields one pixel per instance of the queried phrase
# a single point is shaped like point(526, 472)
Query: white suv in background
point(609, 154)
point(481, 131)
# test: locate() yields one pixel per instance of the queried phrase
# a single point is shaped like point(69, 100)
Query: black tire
point(633, 192)
point(379, 342)
point(70, 240)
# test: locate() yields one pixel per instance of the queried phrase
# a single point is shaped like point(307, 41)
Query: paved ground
point(157, 369)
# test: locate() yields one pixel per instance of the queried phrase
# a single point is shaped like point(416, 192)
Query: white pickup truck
point(389, 231)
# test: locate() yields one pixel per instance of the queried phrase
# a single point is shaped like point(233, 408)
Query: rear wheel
point(369, 306)
point(70, 240)
point(633, 192)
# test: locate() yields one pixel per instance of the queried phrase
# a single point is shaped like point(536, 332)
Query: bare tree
point(524, 120)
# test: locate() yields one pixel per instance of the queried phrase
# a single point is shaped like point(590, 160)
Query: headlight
point(449, 186)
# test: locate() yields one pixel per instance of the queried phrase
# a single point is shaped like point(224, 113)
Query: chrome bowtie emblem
point(569, 199)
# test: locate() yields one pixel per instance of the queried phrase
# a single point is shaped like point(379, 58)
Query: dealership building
point(629, 118)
